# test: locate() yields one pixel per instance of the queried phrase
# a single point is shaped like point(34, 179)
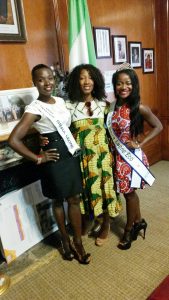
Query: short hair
point(38, 67)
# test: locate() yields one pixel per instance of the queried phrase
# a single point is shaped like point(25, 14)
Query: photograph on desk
point(12, 105)
point(8, 156)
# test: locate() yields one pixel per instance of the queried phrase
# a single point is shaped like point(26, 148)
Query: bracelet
point(39, 161)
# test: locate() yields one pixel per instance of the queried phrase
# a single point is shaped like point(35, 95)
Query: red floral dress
point(123, 171)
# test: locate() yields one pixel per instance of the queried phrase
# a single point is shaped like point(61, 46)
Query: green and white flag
point(81, 44)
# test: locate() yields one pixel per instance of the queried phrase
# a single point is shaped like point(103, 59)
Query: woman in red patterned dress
point(127, 123)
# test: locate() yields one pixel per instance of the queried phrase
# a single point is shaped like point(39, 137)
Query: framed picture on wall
point(102, 42)
point(119, 48)
point(148, 60)
point(135, 54)
point(12, 21)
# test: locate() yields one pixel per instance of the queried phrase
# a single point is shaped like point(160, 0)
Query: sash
point(62, 129)
point(131, 158)
point(135, 178)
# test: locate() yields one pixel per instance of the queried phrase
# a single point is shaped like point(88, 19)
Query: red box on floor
point(161, 292)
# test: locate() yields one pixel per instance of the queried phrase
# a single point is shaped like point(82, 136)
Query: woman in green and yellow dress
point(86, 93)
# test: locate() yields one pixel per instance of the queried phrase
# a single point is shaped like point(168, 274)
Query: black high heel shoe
point(126, 241)
point(142, 225)
point(95, 230)
point(80, 254)
point(66, 251)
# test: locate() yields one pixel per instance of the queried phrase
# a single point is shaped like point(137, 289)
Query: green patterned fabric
point(96, 166)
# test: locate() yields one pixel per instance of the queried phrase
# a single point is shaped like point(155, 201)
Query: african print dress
point(96, 159)
point(123, 171)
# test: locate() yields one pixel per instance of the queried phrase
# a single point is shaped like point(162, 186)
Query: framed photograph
point(135, 54)
point(148, 60)
point(12, 105)
point(102, 42)
point(8, 157)
point(119, 48)
point(12, 21)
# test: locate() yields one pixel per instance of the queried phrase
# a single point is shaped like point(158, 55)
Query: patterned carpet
point(42, 274)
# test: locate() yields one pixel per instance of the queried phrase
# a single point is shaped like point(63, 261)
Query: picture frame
point(12, 21)
point(102, 42)
point(119, 43)
point(8, 157)
point(12, 105)
point(135, 54)
point(148, 60)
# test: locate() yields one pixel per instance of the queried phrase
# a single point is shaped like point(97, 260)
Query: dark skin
point(153, 122)
point(87, 86)
point(44, 81)
point(123, 90)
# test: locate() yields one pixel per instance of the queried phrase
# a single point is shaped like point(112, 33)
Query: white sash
point(132, 159)
point(135, 178)
point(62, 129)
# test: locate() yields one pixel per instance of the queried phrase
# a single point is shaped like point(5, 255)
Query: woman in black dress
point(60, 168)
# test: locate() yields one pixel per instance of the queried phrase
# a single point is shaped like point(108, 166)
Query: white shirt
point(44, 125)
point(79, 111)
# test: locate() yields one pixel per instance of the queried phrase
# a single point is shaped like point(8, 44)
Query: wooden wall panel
point(162, 62)
point(47, 29)
point(162, 58)
point(17, 59)
point(61, 20)
point(135, 19)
